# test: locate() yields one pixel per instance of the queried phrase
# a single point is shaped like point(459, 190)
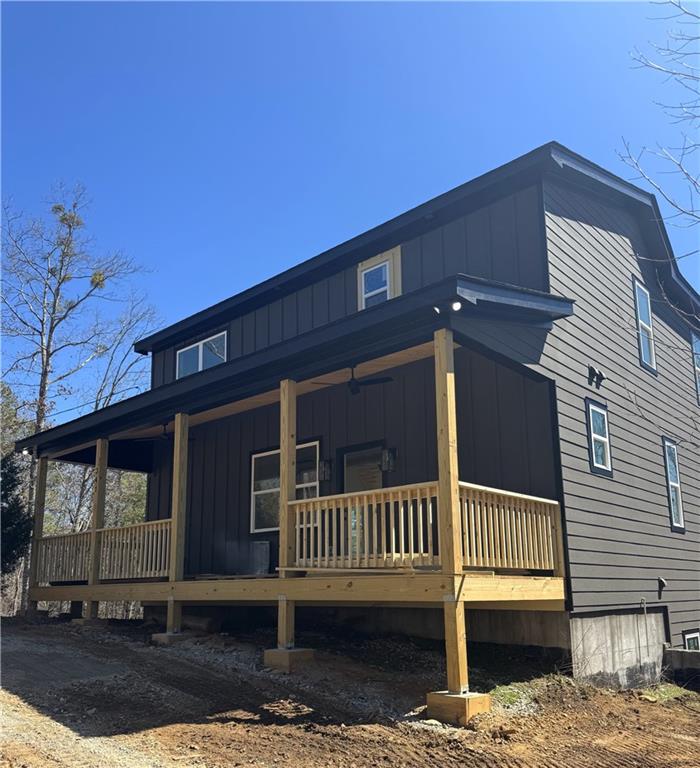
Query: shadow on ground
point(103, 682)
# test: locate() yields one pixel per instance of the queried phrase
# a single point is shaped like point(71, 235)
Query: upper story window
point(695, 341)
point(645, 329)
point(204, 354)
point(673, 482)
point(265, 485)
point(379, 278)
point(598, 438)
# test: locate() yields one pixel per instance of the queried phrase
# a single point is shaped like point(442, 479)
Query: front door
point(362, 470)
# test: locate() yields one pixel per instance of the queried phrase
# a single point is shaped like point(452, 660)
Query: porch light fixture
point(25, 452)
point(388, 460)
point(456, 306)
point(436, 310)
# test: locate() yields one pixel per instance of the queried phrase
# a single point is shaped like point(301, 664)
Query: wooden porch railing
point(398, 527)
point(505, 530)
point(140, 551)
point(385, 528)
point(63, 558)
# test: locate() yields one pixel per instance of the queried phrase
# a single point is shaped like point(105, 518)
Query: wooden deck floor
point(541, 592)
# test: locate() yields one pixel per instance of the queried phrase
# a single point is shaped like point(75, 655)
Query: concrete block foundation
point(620, 649)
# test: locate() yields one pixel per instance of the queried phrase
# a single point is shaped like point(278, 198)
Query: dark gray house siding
point(554, 236)
point(505, 430)
point(619, 535)
point(501, 241)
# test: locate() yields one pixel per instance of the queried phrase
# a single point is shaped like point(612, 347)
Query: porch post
point(38, 529)
point(456, 704)
point(288, 489)
point(178, 515)
point(288, 470)
point(286, 657)
point(450, 524)
point(97, 521)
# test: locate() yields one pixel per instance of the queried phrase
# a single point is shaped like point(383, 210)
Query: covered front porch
point(443, 541)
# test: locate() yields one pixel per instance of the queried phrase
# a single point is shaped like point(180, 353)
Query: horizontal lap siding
point(619, 535)
point(508, 447)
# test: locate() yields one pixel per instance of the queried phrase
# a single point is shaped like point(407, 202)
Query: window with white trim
point(691, 640)
point(645, 328)
point(379, 278)
point(201, 355)
point(265, 485)
point(695, 342)
point(598, 438)
point(673, 483)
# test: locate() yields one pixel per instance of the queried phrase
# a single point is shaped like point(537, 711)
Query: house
point(488, 406)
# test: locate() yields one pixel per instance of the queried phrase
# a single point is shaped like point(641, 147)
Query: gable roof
point(551, 158)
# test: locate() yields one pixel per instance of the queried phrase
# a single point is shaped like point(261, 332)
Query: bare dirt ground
point(85, 697)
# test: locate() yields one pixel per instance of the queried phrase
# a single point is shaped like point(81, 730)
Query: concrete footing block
point(169, 638)
point(288, 659)
point(456, 708)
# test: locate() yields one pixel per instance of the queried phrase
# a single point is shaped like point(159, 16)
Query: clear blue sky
point(222, 143)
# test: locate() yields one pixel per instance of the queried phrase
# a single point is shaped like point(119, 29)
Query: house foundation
point(618, 649)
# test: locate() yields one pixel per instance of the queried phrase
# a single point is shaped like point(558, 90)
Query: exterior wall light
point(456, 306)
point(388, 459)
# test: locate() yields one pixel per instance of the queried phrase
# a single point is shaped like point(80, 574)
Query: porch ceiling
point(385, 336)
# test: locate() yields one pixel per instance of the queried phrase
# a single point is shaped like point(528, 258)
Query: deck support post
point(286, 610)
point(38, 528)
point(456, 646)
point(286, 657)
point(173, 624)
point(178, 514)
point(99, 494)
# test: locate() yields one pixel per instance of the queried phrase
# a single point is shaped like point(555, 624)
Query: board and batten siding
point(501, 241)
point(505, 441)
point(620, 538)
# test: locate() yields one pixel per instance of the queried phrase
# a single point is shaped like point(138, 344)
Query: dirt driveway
point(85, 697)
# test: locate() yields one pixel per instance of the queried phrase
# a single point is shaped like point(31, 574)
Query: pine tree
point(16, 522)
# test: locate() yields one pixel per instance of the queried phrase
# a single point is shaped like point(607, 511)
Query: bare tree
point(677, 62)
point(55, 288)
point(67, 308)
point(116, 372)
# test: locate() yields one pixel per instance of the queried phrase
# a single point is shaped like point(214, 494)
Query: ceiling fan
point(355, 385)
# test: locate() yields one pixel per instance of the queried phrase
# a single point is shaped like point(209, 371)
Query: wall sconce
point(325, 469)
point(595, 376)
point(388, 459)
